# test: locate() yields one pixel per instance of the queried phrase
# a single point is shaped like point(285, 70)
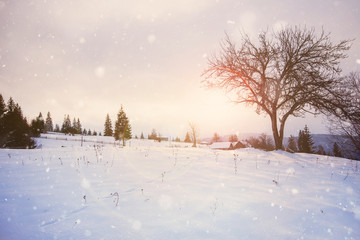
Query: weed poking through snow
point(116, 200)
point(235, 162)
point(162, 176)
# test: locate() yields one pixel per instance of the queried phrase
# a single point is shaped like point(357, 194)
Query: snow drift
point(151, 190)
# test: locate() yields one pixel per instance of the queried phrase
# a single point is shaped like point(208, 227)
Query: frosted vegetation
point(151, 190)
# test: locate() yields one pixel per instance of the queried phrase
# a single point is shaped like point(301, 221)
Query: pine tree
point(57, 128)
point(74, 127)
point(16, 131)
point(336, 150)
point(153, 135)
point(187, 138)
point(2, 106)
point(2, 112)
point(66, 126)
point(127, 132)
point(292, 144)
point(142, 135)
point(89, 132)
point(301, 140)
point(78, 126)
point(48, 123)
point(37, 125)
point(108, 131)
point(305, 142)
point(321, 150)
point(122, 126)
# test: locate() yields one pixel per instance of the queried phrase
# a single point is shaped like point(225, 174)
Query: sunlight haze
point(87, 58)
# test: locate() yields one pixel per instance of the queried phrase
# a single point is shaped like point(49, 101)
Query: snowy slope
point(160, 191)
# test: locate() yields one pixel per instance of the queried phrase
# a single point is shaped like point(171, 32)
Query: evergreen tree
point(66, 126)
point(153, 135)
point(187, 138)
point(84, 132)
point(15, 132)
point(336, 150)
point(57, 128)
point(292, 144)
point(128, 132)
point(74, 127)
point(37, 125)
point(142, 135)
point(177, 139)
point(122, 127)
point(321, 150)
point(48, 123)
point(2, 106)
point(305, 142)
point(2, 112)
point(89, 132)
point(301, 140)
point(108, 131)
point(78, 126)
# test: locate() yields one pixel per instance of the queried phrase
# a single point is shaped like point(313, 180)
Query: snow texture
point(150, 190)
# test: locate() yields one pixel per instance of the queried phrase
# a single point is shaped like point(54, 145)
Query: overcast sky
point(86, 57)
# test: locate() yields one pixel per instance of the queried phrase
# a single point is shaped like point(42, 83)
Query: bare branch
point(289, 73)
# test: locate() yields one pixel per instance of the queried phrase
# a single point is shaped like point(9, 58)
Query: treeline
point(303, 143)
point(158, 137)
point(17, 132)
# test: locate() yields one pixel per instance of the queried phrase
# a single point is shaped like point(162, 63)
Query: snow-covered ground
point(150, 190)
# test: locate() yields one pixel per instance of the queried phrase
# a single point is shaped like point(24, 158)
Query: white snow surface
point(150, 190)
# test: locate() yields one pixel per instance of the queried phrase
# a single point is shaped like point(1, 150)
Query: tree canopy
point(285, 73)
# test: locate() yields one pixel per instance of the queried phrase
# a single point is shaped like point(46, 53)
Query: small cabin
point(227, 145)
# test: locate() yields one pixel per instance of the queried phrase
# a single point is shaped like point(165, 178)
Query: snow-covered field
point(151, 190)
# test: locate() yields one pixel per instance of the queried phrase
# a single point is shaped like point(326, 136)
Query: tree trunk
point(278, 138)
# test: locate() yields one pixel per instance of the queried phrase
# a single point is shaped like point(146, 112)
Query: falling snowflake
point(151, 38)
point(81, 40)
point(100, 71)
point(85, 183)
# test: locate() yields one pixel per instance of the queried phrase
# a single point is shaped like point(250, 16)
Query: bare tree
point(233, 138)
point(216, 137)
point(289, 73)
point(194, 133)
point(347, 123)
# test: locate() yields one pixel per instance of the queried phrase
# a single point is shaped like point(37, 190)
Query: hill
point(150, 190)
